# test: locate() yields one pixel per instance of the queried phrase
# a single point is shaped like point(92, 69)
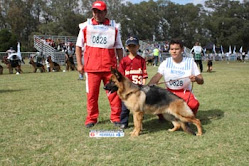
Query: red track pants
point(93, 80)
point(189, 97)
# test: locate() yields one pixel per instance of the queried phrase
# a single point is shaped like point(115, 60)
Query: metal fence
point(58, 57)
point(150, 45)
point(24, 54)
point(63, 39)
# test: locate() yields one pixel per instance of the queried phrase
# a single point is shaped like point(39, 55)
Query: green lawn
point(42, 123)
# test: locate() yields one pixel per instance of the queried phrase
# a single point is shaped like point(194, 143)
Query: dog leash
point(177, 80)
point(190, 91)
point(171, 80)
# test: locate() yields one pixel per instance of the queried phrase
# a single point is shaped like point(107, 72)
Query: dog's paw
point(199, 134)
point(134, 133)
point(171, 130)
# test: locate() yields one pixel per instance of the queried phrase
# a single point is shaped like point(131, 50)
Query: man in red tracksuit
point(101, 41)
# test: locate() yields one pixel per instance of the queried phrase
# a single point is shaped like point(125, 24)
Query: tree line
point(222, 22)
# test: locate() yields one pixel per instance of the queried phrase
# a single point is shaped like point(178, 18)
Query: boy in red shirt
point(133, 67)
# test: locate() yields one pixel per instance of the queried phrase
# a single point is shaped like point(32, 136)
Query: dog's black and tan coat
point(53, 65)
point(152, 100)
point(36, 65)
point(12, 64)
point(1, 69)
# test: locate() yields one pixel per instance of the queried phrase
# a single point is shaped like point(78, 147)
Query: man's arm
point(144, 81)
point(191, 51)
point(203, 53)
point(119, 52)
point(155, 79)
point(66, 55)
point(198, 79)
point(80, 66)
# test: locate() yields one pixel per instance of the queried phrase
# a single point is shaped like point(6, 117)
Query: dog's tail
point(185, 126)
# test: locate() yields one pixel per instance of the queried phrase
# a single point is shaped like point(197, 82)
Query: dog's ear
point(113, 70)
point(117, 74)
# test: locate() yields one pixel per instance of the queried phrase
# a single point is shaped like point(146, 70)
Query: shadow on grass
point(207, 116)
point(11, 90)
point(152, 124)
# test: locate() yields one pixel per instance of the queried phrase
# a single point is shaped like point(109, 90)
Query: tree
point(140, 19)
point(7, 40)
point(227, 22)
point(222, 22)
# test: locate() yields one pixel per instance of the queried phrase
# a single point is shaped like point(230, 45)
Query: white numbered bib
point(176, 74)
point(178, 83)
point(101, 36)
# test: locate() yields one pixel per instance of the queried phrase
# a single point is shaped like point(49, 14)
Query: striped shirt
point(176, 74)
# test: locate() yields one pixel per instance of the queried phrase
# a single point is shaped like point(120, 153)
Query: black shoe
point(123, 126)
point(89, 125)
point(116, 124)
point(161, 118)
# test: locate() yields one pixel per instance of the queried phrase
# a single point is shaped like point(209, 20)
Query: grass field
point(42, 123)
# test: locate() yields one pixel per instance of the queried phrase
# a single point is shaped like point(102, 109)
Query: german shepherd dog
point(147, 99)
point(1, 69)
point(149, 60)
point(209, 65)
point(53, 65)
point(70, 64)
point(36, 65)
point(12, 64)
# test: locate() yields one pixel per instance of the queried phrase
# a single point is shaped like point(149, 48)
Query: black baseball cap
point(132, 40)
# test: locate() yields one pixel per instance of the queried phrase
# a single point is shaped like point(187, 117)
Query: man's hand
point(80, 68)
point(192, 78)
point(198, 79)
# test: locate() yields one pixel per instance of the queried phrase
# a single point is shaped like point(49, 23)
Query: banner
point(241, 50)
point(19, 51)
point(221, 49)
point(214, 49)
point(230, 50)
point(234, 50)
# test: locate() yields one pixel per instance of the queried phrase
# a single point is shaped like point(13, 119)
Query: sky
point(182, 2)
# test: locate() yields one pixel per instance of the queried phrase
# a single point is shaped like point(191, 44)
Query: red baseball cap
point(100, 5)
